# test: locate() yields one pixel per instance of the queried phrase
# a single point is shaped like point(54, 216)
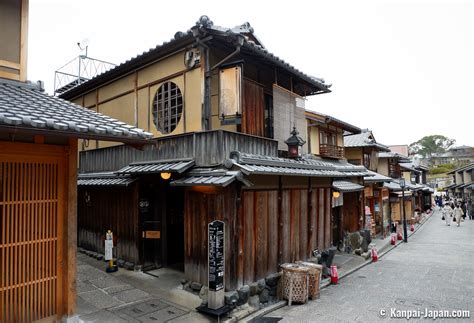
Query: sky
point(403, 69)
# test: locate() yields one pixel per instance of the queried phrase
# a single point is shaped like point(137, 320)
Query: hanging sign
point(216, 255)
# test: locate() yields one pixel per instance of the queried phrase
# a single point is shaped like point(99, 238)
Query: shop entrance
point(161, 209)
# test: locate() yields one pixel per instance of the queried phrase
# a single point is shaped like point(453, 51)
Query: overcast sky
point(403, 69)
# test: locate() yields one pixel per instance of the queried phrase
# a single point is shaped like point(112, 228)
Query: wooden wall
point(351, 212)
point(265, 229)
point(113, 208)
point(253, 118)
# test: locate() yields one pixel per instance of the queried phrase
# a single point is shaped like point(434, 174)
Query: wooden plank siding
point(208, 148)
point(253, 119)
point(351, 212)
point(256, 244)
point(113, 208)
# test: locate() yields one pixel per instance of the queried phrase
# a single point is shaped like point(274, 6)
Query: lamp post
point(405, 233)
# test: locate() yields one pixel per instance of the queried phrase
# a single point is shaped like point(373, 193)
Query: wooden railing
point(331, 151)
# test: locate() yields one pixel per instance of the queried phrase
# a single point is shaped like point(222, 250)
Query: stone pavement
point(434, 270)
point(128, 296)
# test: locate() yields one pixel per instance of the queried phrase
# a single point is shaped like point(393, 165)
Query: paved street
point(435, 270)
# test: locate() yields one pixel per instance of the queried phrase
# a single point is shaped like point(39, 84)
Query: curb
point(327, 282)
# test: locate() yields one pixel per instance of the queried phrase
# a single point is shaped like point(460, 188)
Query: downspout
point(207, 86)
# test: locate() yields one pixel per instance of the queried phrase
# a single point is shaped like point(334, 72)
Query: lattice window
point(167, 107)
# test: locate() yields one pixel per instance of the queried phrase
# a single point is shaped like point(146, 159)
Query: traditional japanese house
point(38, 167)
point(462, 182)
point(230, 143)
point(389, 165)
point(325, 139)
point(363, 149)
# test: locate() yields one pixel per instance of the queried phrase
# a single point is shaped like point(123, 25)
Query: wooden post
point(70, 232)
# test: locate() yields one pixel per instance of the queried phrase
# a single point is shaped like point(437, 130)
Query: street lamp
point(405, 234)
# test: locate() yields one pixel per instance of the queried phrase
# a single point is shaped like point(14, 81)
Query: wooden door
point(253, 118)
point(32, 208)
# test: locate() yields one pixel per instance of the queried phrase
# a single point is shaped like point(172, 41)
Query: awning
point(392, 186)
point(346, 186)
point(103, 179)
point(400, 194)
point(206, 177)
point(376, 178)
point(157, 166)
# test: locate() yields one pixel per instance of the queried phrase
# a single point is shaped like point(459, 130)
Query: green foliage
point(448, 166)
point(429, 145)
point(439, 170)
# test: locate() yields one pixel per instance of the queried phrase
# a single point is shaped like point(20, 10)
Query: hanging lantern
point(295, 143)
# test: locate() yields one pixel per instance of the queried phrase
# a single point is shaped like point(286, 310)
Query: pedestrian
point(447, 214)
point(458, 213)
point(464, 209)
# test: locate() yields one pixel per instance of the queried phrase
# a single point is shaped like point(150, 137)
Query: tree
point(429, 145)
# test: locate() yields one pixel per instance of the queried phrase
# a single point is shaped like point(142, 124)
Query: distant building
point(455, 155)
point(399, 149)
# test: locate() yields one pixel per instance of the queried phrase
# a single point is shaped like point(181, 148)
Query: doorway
point(174, 249)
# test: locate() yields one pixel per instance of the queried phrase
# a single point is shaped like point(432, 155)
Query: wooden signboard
point(216, 264)
point(368, 192)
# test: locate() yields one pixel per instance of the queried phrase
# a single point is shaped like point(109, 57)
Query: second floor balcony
point(331, 151)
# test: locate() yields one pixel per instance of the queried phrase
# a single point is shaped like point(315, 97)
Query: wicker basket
point(295, 283)
point(314, 274)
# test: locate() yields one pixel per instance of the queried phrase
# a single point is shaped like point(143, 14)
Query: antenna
point(83, 45)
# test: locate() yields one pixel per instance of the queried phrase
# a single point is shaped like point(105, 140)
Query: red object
point(399, 236)
point(412, 228)
point(392, 240)
point(334, 275)
point(375, 256)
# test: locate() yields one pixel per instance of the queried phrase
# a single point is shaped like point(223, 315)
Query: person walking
point(464, 209)
point(447, 213)
point(458, 213)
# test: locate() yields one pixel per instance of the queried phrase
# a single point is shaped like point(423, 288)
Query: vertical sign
point(216, 255)
point(109, 244)
point(216, 264)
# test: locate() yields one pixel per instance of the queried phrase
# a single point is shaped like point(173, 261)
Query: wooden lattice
point(295, 283)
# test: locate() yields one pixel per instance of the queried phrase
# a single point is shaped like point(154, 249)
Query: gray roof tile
point(25, 106)
point(346, 186)
point(159, 166)
point(364, 139)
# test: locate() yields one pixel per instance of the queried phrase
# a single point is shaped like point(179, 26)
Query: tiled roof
point(251, 44)
point(265, 165)
point(346, 186)
point(159, 166)
point(376, 177)
point(103, 179)
point(392, 186)
point(390, 154)
point(321, 118)
point(205, 177)
point(258, 164)
point(364, 139)
point(25, 107)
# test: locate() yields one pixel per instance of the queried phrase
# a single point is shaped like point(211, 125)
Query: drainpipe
point(205, 120)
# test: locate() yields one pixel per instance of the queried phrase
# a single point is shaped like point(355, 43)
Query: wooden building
point(363, 149)
point(326, 138)
point(38, 166)
point(221, 108)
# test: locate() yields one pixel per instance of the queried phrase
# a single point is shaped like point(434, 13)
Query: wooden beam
point(11, 76)
point(70, 231)
point(39, 139)
point(9, 64)
point(24, 40)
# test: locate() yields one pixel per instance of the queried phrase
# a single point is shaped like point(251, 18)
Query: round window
point(167, 107)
